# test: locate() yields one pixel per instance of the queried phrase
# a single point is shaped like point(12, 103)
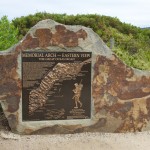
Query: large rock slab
point(120, 97)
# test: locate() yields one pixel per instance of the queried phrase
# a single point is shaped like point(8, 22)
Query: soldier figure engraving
point(77, 94)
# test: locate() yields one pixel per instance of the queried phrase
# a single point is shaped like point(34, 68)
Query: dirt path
point(86, 141)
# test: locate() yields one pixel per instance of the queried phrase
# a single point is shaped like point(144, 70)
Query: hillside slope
point(130, 43)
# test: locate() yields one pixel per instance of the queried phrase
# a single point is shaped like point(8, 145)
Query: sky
point(135, 12)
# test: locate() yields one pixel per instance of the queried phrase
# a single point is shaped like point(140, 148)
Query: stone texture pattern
point(120, 94)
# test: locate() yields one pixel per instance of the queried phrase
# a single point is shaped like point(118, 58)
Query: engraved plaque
point(56, 85)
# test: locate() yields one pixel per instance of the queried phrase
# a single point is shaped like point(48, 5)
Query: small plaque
point(56, 85)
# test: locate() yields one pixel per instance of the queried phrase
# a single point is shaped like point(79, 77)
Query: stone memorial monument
point(64, 79)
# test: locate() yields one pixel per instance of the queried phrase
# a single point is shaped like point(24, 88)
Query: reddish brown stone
point(116, 88)
point(29, 42)
point(129, 91)
point(118, 74)
point(8, 74)
point(13, 103)
point(81, 34)
point(44, 36)
point(66, 37)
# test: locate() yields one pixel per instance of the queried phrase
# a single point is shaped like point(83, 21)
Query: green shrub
point(132, 44)
point(8, 33)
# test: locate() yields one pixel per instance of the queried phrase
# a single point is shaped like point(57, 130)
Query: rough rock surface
point(120, 94)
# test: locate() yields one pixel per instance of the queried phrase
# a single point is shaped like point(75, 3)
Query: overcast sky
point(136, 12)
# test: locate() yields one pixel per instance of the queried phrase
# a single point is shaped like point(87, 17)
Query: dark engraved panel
point(56, 85)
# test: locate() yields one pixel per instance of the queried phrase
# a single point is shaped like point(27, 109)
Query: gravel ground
point(88, 141)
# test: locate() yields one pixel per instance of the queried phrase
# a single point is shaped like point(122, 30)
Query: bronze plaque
point(56, 85)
